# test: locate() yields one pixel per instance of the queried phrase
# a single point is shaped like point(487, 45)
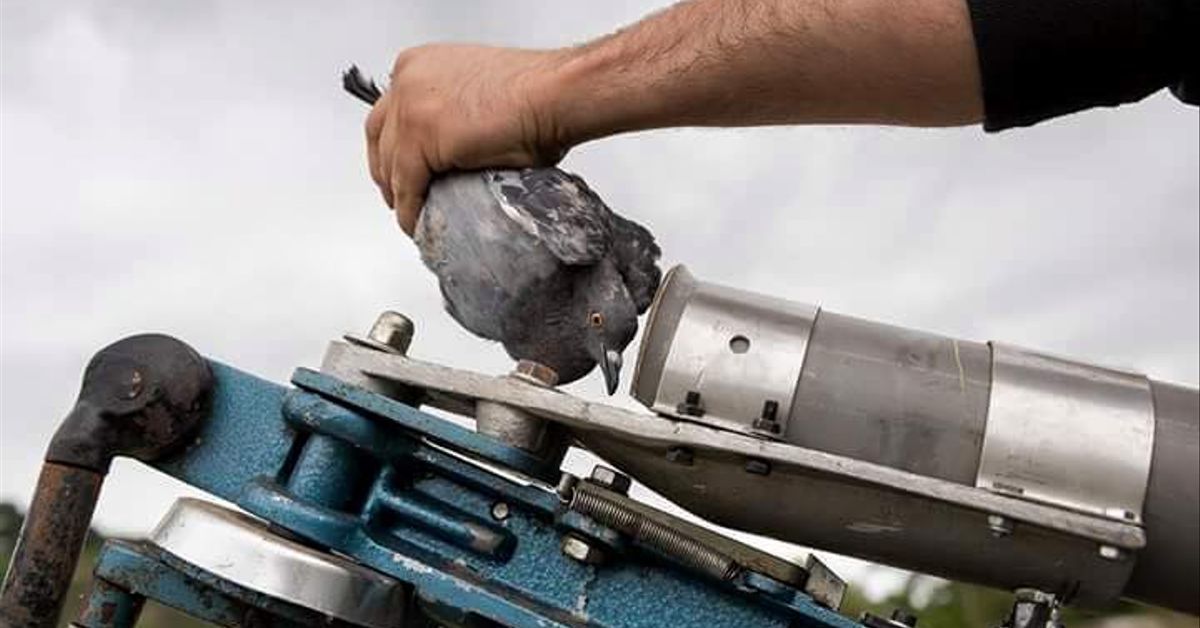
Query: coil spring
point(653, 535)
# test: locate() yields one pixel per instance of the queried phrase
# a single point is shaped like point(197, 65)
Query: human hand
point(460, 107)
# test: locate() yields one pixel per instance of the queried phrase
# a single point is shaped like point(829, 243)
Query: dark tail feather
point(361, 87)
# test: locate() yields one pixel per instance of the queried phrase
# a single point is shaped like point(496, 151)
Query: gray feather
point(529, 257)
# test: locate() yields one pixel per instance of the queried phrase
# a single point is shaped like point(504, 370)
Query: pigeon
point(533, 259)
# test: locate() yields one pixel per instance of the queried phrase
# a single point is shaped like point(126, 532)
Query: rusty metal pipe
point(141, 397)
point(51, 539)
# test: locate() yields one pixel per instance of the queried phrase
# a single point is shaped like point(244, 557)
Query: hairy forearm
point(742, 63)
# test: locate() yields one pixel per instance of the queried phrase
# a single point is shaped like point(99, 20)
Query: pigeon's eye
point(596, 319)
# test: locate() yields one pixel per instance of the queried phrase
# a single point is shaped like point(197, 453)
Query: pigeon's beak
point(610, 365)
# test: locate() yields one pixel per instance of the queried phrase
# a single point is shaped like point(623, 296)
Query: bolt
point(692, 404)
point(393, 330)
point(1000, 526)
point(1109, 552)
point(611, 479)
point(565, 487)
point(766, 422)
point(500, 511)
point(680, 455)
point(758, 467)
point(580, 550)
point(536, 373)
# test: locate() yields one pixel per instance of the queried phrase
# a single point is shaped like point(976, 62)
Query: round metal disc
point(242, 550)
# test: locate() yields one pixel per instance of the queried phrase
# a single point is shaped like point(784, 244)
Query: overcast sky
point(194, 168)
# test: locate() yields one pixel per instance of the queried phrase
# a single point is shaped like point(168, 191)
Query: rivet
point(1000, 525)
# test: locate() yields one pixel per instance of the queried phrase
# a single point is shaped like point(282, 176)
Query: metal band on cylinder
point(731, 357)
point(1067, 434)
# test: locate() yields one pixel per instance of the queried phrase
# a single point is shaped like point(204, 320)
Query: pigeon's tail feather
point(637, 260)
point(359, 86)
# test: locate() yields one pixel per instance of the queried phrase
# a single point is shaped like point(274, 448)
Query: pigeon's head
point(611, 323)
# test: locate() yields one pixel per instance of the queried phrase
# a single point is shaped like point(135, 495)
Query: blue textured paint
point(242, 439)
point(150, 573)
point(331, 473)
point(351, 470)
point(435, 428)
point(107, 605)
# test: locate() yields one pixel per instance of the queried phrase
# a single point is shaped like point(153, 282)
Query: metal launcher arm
point(367, 512)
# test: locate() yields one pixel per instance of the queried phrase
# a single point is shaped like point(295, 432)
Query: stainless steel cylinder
point(1073, 436)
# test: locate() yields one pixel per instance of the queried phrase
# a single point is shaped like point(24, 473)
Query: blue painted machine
point(367, 508)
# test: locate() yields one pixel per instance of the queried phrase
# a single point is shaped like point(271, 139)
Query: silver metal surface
point(822, 584)
point(580, 550)
point(1068, 434)
point(739, 350)
point(510, 425)
point(810, 497)
point(393, 330)
point(241, 549)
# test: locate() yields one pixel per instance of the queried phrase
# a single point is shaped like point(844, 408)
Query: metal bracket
point(723, 357)
point(642, 444)
point(1069, 434)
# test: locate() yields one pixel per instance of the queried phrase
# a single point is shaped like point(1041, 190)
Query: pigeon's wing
point(636, 255)
point(557, 208)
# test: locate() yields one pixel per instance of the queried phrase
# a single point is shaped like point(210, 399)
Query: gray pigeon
point(535, 260)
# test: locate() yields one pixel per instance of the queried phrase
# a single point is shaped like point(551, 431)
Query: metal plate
point(243, 551)
point(1069, 434)
point(738, 349)
point(810, 497)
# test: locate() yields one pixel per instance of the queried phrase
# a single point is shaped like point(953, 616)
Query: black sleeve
point(1044, 58)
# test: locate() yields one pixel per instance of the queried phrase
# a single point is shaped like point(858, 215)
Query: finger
point(373, 128)
point(390, 141)
point(409, 180)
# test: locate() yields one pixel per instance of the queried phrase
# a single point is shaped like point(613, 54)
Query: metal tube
point(1071, 436)
point(1167, 571)
point(899, 397)
point(918, 402)
point(49, 545)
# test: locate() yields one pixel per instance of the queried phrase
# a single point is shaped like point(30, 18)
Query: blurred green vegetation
point(937, 603)
point(941, 604)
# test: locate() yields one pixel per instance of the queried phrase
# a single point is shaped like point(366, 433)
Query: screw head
point(500, 511)
point(611, 479)
point(393, 330)
point(580, 550)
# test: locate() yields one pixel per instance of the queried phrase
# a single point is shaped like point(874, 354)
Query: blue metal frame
point(370, 477)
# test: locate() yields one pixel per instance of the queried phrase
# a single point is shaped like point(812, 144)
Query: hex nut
point(500, 511)
point(758, 466)
point(611, 479)
point(394, 330)
point(536, 373)
point(580, 550)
